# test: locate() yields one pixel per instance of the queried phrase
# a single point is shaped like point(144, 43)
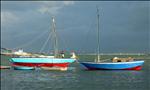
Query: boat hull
point(134, 65)
point(41, 62)
point(23, 68)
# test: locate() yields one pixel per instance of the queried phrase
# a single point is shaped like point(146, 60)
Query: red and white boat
point(46, 61)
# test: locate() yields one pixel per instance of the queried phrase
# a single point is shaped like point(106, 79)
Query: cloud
point(48, 9)
point(68, 2)
point(53, 7)
point(8, 18)
point(12, 12)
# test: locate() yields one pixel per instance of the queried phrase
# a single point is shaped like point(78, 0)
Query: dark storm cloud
point(20, 6)
point(124, 26)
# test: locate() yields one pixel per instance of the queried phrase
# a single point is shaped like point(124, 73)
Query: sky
point(124, 25)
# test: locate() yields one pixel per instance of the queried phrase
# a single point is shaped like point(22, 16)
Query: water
point(76, 79)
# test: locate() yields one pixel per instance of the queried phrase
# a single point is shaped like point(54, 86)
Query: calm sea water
point(76, 79)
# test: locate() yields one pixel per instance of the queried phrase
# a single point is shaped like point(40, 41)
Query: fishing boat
point(115, 64)
point(48, 61)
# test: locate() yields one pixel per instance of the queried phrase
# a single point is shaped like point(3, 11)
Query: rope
point(105, 60)
point(88, 33)
point(31, 42)
point(45, 42)
point(64, 43)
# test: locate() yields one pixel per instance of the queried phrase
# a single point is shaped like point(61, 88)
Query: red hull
point(134, 68)
point(42, 64)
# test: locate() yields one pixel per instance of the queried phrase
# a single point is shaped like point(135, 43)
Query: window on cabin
point(118, 60)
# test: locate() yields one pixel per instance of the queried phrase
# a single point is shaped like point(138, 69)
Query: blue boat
point(116, 64)
point(42, 60)
point(133, 65)
point(23, 68)
point(23, 62)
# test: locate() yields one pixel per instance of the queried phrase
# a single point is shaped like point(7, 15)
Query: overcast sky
point(124, 25)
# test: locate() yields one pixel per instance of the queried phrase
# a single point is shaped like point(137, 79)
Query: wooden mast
point(55, 38)
point(98, 38)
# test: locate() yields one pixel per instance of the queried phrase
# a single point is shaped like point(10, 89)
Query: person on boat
point(74, 55)
point(62, 54)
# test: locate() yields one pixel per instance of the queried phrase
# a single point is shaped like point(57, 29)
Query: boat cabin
point(116, 59)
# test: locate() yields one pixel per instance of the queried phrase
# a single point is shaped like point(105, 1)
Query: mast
point(55, 38)
point(98, 40)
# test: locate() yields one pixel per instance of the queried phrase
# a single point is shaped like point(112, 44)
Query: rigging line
point(88, 32)
point(25, 33)
point(52, 38)
point(105, 60)
point(62, 39)
point(45, 43)
point(64, 42)
point(49, 48)
point(31, 42)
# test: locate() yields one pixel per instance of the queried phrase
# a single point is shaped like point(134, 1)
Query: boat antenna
point(98, 38)
point(55, 38)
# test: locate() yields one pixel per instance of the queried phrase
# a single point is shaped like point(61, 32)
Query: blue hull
point(134, 65)
point(23, 68)
point(42, 60)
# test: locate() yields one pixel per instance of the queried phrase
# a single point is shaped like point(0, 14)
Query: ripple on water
point(74, 79)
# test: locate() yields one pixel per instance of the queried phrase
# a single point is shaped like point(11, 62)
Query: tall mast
point(55, 38)
point(98, 40)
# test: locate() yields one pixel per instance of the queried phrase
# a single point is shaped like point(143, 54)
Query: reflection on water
point(75, 79)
